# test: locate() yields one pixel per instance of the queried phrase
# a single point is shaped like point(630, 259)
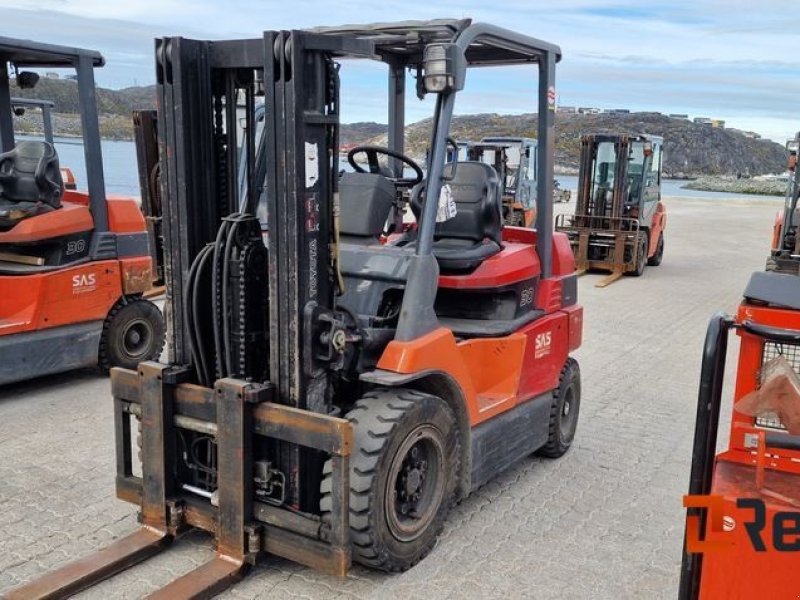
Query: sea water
point(121, 175)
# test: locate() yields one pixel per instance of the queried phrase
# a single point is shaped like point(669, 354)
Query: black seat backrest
point(479, 210)
point(30, 173)
point(365, 200)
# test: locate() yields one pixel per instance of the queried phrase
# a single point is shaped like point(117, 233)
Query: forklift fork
point(234, 412)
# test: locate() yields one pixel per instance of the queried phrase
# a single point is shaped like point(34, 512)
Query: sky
point(735, 60)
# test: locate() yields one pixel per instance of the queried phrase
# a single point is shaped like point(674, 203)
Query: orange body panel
point(657, 226)
point(137, 274)
point(69, 219)
point(494, 374)
point(75, 197)
point(739, 572)
point(124, 215)
point(515, 262)
point(72, 295)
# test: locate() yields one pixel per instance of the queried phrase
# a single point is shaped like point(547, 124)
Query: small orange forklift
point(73, 264)
point(742, 533)
point(619, 218)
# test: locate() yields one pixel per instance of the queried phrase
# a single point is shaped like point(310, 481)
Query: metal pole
point(6, 118)
point(546, 143)
point(397, 114)
point(91, 143)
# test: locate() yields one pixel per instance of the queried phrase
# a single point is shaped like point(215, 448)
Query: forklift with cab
point(514, 160)
point(619, 219)
point(73, 264)
point(330, 395)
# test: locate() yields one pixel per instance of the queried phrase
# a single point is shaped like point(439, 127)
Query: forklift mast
point(613, 172)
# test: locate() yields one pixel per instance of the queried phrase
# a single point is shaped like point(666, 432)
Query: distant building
point(718, 123)
point(679, 116)
point(617, 111)
point(588, 111)
point(752, 135)
point(649, 113)
point(702, 121)
point(567, 109)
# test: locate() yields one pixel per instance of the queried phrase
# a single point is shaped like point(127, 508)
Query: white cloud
point(730, 58)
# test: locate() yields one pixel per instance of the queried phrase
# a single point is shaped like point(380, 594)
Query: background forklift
point(514, 159)
point(329, 396)
point(73, 265)
point(785, 254)
point(619, 219)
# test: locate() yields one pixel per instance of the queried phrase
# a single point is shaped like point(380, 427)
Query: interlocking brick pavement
point(605, 521)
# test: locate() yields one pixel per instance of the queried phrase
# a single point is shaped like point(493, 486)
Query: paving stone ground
point(605, 521)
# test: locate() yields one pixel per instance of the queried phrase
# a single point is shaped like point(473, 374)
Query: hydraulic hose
point(203, 365)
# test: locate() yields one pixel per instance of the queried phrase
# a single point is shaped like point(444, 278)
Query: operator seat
point(475, 233)
point(30, 182)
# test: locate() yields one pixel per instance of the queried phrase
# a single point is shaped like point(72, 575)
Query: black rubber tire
point(642, 262)
point(385, 422)
point(564, 423)
point(656, 259)
point(130, 316)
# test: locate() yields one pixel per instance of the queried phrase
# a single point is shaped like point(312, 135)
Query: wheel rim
point(415, 486)
point(136, 338)
point(569, 413)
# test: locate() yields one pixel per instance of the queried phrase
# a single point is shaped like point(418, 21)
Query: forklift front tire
point(564, 411)
point(641, 262)
point(403, 473)
point(656, 259)
point(133, 332)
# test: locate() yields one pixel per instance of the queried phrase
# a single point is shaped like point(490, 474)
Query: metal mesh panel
point(791, 353)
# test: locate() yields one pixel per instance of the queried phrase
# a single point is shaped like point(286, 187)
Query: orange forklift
point(619, 219)
point(73, 264)
point(742, 534)
point(331, 391)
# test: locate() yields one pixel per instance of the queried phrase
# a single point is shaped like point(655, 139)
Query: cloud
point(730, 58)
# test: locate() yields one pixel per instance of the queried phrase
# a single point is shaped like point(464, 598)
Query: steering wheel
point(372, 153)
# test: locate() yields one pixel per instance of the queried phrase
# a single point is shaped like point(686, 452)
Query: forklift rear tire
point(656, 259)
point(133, 332)
point(564, 411)
point(403, 472)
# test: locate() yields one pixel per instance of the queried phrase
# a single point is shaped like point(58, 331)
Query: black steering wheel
point(372, 153)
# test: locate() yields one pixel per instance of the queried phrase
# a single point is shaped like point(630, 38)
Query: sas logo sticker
point(84, 283)
point(542, 344)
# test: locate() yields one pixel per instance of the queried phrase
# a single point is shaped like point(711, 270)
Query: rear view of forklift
point(329, 396)
point(619, 218)
point(514, 159)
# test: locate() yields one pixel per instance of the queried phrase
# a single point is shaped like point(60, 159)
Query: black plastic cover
point(365, 200)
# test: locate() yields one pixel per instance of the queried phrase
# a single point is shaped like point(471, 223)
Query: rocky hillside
point(691, 150)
